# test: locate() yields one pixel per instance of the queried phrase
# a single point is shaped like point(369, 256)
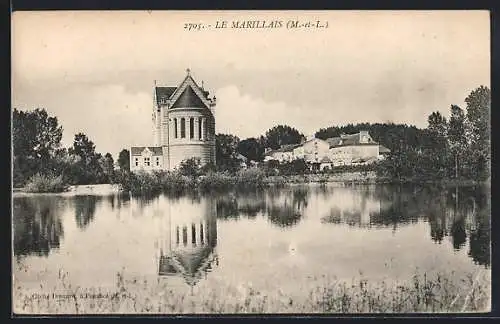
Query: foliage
point(388, 134)
point(282, 135)
point(227, 152)
point(215, 181)
point(478, 131)
point(442, 292)
point(36, 137)
point(190, 167)
point(458, 148)
point(88, 170)
point(297, 166)
point(124, 160)
point(252, 148)
point(250, 178)
point(46, 183)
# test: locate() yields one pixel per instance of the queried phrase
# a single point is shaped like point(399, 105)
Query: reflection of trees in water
point(287, 208)
point(242, 203)
point(480, 233)
point(399, 205)
point(37, 225)
point(460, 213)
point(85, 209)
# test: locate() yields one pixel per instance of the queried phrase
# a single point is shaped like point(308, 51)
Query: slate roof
point(284, 148)
point(383, 149)
point(326, 159)
point(137, 150)
point(190, 266)
point(188, 98)
point(164, 93)
point(333, 141)
point(347, 140)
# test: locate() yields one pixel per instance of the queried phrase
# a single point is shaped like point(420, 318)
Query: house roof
point(137, 150)
point(188, 98)
point(284, 148)
point(326, 159)
point(333, 141)
point(241, 157)
point(347, 140)
point(383, 149)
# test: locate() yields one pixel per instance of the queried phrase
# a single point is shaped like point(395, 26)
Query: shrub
point(46, 183)
point(216, 181)
point(190, 167)
point(250, 178)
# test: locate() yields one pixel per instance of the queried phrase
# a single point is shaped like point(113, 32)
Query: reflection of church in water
point(187, 240)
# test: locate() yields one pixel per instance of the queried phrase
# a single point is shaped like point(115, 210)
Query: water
point(267, 239)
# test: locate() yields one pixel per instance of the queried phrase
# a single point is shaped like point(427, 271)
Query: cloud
point(110, 116)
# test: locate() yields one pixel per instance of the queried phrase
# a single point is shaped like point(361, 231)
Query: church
point(183, 128)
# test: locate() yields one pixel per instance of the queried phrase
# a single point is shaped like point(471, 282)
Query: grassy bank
point(421, 294)
point(40, 183)
point(254, 178)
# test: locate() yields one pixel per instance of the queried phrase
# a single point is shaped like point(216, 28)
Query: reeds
point(422, 293)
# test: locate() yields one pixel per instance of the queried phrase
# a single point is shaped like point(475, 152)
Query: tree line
point(453, 147)
point(37, 149)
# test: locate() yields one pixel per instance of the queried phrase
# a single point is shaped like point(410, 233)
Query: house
point(312, 151)
point(146, 158)
point(183, 128)
point(242, 160)
point(325, 163)
point(359, 148)
point(383, 152)
point(284, 154)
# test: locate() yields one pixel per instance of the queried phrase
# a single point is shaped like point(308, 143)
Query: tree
point(456, 135)
point(478, 130)
point(436, 150)
point(282, 135)
point(190, 167)
point(227, 152)
point(252, 148)
point(88, 170)
point(124, 160)
point(35, 138)
point(108, 167)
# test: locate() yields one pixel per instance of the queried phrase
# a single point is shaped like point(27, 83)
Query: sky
point(95, 71)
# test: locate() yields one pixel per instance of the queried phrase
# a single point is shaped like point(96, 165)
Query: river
point(269, 239)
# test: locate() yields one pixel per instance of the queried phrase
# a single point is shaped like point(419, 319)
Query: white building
point(183, 128)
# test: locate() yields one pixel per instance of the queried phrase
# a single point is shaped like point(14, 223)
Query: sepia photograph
point(251, 162)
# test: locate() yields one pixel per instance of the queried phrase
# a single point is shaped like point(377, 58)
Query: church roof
point(191, 266)
point(137, 150)
point(164, 92)
point(189, 98)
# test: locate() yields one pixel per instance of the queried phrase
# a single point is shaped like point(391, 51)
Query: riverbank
point(163, 181)
point(76, 190)
point(440, 293)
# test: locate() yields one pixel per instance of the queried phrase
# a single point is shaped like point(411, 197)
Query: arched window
point(199, 128)
point(175, 128)
point(191, 127)
point(205, 130)
point(183, 128)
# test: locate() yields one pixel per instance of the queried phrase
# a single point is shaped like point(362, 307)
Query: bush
point(190, 167)
point(250, 178)
point(216, 181)
point(46, 183)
